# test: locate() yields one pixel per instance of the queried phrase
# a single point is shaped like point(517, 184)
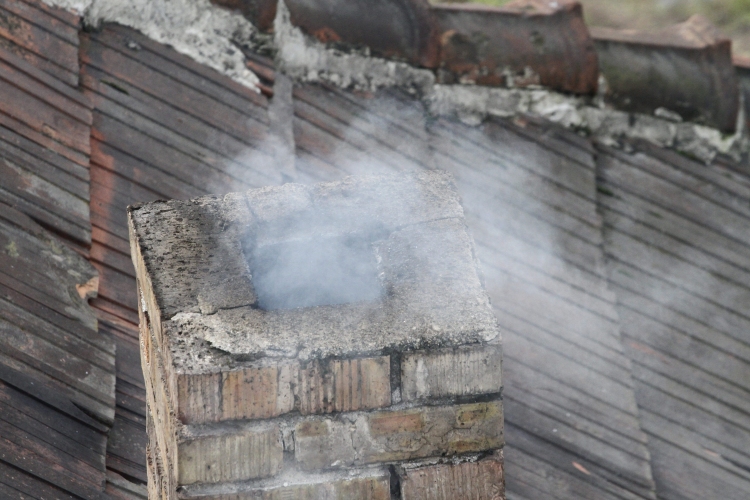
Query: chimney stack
point(331, 341)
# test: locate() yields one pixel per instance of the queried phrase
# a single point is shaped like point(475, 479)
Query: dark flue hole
point(395, 483)
point(326, 270)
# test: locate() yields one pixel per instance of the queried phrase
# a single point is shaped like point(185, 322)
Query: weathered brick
point(260, 392)
point(321, 444)
point(216, 453)
point(197, 397)
point(270, 390)
point(371, 485)
point(390, 436)
point(230, 456)
point(483, 480)
point(250, 392)
point(160, 424)
point(254, 392)
point(344, 385)
point(266, 391)
point(438, 310)
point(222, 363)
point(354, 489)
point(155, 486)
point(460, 371)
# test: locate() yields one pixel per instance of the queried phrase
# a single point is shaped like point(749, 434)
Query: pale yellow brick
point(460, 371)
point(336, 385)
point(389, 436)
point(230, 456)
point(217, 454)
point(365, 485)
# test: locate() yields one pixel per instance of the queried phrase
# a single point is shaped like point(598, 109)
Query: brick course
point(460, 371)
point(391, 436)
point(336, 385)
point(481, 480)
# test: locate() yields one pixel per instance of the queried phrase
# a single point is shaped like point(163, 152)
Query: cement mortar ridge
point(211, 35)
point(305, 59)
point(208, 34)
point(472, 104)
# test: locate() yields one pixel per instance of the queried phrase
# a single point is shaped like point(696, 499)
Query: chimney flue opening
point(317, 271)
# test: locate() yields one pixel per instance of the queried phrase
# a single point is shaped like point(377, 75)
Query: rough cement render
point(472, 104)
point(433, 299)
point(208, 34)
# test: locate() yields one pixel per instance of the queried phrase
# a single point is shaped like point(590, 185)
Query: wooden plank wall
point(677, 237)
point(44, 120)
point(529, 192)
point(163, 127)
point(57, 373)
point(150, 123)
point(572, 422)
point(44, 37)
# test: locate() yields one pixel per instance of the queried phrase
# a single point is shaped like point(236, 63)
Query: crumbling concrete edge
point(588, 116)
point(208, 34)
point(212, 36)
point(305, 59)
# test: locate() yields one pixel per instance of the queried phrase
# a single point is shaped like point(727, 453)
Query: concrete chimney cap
point(213, 266)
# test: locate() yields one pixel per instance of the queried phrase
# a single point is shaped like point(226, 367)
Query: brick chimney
point(326, 341)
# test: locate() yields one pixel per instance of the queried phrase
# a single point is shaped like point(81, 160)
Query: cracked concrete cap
point(364, 265)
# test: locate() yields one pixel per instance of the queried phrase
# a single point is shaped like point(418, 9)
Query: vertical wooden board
point(118, 98)
point(66, 17)
point(22, 180)
point(68, 429)
point(682, 475)
point(32, 152)
point(184, 69)
point(60, 178)
point(57, 373)
point(47, 469)
point(171, 88)
point(19, 484)
point(117, 287)
point(44, 110)
point(37, 41)
point(681, 315)
point(41, 263)
point(46, 120)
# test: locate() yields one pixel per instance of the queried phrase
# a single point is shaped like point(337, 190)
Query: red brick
point(483, 480)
